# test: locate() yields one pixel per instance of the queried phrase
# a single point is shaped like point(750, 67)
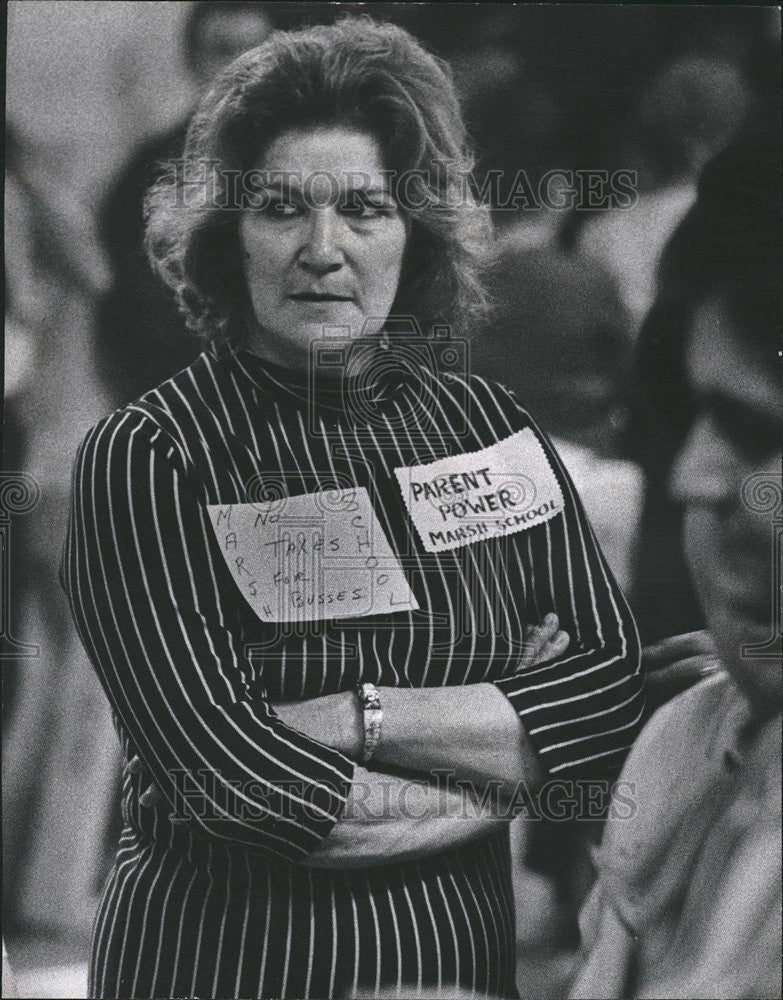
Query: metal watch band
point(370, 700)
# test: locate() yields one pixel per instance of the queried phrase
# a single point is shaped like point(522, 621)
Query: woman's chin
point(761, 683)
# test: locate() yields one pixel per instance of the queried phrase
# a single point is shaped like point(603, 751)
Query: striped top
point(190, 669)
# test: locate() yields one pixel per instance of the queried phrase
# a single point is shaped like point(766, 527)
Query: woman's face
point(324, 248)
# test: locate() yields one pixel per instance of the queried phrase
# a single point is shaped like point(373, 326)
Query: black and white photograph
point(391, 501)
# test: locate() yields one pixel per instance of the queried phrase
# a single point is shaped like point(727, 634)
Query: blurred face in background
point(223, 35)
point(728, 477)
point(326, 245)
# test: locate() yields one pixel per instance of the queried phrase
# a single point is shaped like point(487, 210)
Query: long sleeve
point(605, 960)
point(583, 710)
point(142, 574)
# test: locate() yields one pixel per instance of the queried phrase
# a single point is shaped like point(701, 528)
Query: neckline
point(329, 385)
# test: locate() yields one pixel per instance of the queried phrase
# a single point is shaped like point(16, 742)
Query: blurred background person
point(53, 276)
point(573, 287)
point(141, 339)
point(687, 112)
point(559, 337)
point(688, 898)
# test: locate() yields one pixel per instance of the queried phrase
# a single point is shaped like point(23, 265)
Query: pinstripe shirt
point(207, 896)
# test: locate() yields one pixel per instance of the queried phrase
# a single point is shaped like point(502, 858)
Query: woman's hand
point(543, 642)
point(152, 795)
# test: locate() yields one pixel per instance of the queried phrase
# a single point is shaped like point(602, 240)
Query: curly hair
point(359, 73)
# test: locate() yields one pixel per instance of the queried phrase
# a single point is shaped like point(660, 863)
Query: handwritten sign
point(502, 489)
point(310, 557)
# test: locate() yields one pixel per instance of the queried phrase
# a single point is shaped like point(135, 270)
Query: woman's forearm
point(389, 819)
point(472, 732)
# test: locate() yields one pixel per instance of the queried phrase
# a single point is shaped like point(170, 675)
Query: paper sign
point(502, 489)
point(314, 556)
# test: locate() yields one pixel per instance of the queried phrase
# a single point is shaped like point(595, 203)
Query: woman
point(321, 190)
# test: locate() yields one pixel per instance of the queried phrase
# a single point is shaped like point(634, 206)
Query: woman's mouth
point(320, 297)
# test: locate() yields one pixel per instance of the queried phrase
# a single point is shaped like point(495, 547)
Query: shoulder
point(139, 168)
point(124, 200)
point(187, 386)
point(495, 404)
point(682, 793)
point(109, 445)
point(154, 420)
point(676, 761)
point(494, 400)
point(690, 723)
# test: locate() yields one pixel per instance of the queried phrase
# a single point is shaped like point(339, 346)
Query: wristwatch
point(370, 700)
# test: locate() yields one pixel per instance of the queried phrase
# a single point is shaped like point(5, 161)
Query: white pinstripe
point(161, 937)
point(219, 956)
point(143, 926)
point(415, 925)
point(175, 967)
point(289, 932)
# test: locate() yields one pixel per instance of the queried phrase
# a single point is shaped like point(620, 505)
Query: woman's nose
point(706, 468)
point(322, 250)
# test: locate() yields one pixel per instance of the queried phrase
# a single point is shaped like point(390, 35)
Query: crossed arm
point(140, 572)
point(471, 732)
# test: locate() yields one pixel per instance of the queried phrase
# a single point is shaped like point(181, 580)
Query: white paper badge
point(502, 489)
point(309, 557)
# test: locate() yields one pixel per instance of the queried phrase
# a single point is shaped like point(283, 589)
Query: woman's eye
point(361, 208)
point(283, 208)
point(277, 208)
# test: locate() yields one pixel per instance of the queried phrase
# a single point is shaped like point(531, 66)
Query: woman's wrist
point(349, 719)
point(333, 719)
